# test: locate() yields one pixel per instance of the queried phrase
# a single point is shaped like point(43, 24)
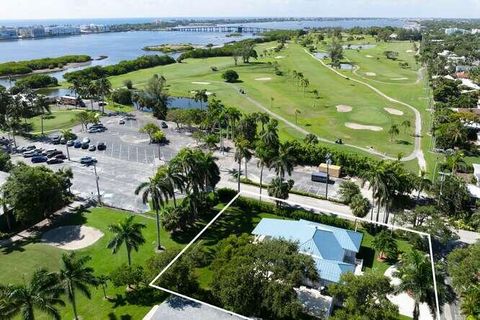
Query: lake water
point(359, 46)
point(321, 55)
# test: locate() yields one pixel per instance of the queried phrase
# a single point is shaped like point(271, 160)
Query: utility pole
point(68, 153)
point(328, 160)
point(96, 180)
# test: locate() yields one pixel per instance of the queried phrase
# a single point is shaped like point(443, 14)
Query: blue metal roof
point(326, 244)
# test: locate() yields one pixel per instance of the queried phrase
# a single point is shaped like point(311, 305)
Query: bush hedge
point(34, 81)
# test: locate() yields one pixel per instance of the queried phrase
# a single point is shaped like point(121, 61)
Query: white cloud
point(43, 9)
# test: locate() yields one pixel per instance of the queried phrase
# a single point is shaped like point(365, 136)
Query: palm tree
point(279, 188)
point(393, 132)
point(104, 87)
point(40, 294)
point(304, 82)
point(359, 206)
point(297, 112)
point(200, 96)
point(284, 161)
point(75, 86)
point(377, 182)
point(406, 124)
point(173, 179)
point(157, 191)
point(456, 161)
point(128, 232)
point(75, 276)
point(92, 91)
point(210, 172)
point(385, 244)
point(102, 281)
point(415, 272)
point(241, 152)
point(232, 115)
point(41, 106)
point(422, 183)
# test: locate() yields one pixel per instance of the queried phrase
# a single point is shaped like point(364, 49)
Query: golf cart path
point(417, 152)
point(300, 129)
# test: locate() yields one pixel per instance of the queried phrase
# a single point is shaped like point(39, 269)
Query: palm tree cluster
point(192, 172)
point(93, 90)
point(43, 294)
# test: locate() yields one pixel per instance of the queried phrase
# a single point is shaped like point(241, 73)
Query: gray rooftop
point(176, 308)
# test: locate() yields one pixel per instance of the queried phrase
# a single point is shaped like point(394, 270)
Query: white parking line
point(128, 152)
point(111, 150)
point(146, 158)
point(137, 154)
point(120, 152)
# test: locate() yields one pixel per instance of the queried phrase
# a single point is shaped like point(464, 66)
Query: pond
point(346, 66)
point(321, 55)
point(56, 92)
point(359, 46)
point(179, 103)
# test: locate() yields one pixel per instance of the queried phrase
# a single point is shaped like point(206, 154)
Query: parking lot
point(124, 141)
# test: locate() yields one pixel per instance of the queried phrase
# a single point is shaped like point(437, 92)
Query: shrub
point(348, 189)
point(35, 81)
point(230, 76)
point(122, 96)
point(128, 83)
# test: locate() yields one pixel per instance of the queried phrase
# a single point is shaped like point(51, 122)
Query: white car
point(86, 140)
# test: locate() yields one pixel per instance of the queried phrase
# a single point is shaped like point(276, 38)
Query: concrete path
point(417, 153)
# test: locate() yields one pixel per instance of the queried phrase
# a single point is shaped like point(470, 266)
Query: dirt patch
point(344, 108)
point(200, 82)
point(409, 51)
point(357, 126)
point(72, 237)
point(393, 111)
point(370, 74)
point(263, 79)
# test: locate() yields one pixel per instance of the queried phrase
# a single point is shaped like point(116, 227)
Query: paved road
point(417, 153)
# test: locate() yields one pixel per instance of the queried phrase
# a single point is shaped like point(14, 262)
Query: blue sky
point(47, 9)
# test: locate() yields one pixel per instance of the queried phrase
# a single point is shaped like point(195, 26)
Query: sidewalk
point(33, 230)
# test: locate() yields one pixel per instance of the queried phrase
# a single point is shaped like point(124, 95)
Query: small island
point(169, 48)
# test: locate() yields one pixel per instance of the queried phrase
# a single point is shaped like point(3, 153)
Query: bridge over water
point(226, 29)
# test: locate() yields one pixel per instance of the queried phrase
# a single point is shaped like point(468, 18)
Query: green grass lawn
point(318, 116)
point(58, 119)
point(18, 264)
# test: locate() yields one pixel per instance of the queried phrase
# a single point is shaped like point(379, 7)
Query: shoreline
point(44, 71)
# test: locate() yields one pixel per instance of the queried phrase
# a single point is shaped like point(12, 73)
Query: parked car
point(164, 125)
point(31, 153)
point(86, 140)
point(94, 130)
point(39, 159)
point(70, 143)
point(54, 153)
point(54, 161)
point(92, 148)
point(32, 147)
point(101, 146)
point(61, 156)
point(87, 160)
point(77, 144)
point(63, 141)
point(85, 145)
point(55, 139)
point(121, 121)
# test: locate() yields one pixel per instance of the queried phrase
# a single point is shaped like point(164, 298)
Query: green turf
point(57, 120)
point(318, 116)
point(19, 264)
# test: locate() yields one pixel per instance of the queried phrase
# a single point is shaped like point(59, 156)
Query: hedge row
point(249, 204)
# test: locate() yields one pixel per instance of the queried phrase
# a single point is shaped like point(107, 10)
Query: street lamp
point(96, 180)
point(328, 160)
point(442, 180)
point(68, 152)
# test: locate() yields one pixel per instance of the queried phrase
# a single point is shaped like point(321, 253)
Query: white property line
point(346, 217)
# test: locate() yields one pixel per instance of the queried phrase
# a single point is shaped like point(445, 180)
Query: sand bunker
point(200, 82)
point(263, 79)
point(280, 57)
point(398, 79)
point(393, 111)
point(344, 108)
point(72, 237)
point(369, 56)
point(357, 126)
point(409, 51)
point(208, 93)
point(370, 74)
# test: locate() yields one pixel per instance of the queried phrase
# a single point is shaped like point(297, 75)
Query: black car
point(101, 146)
point(39, 159)
point(77, 144)
point(92, 148)
point(60, 156)
point(85, 145)
point(164, 125)
point(53, 153)
point(54, 161)
point(56, 139)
